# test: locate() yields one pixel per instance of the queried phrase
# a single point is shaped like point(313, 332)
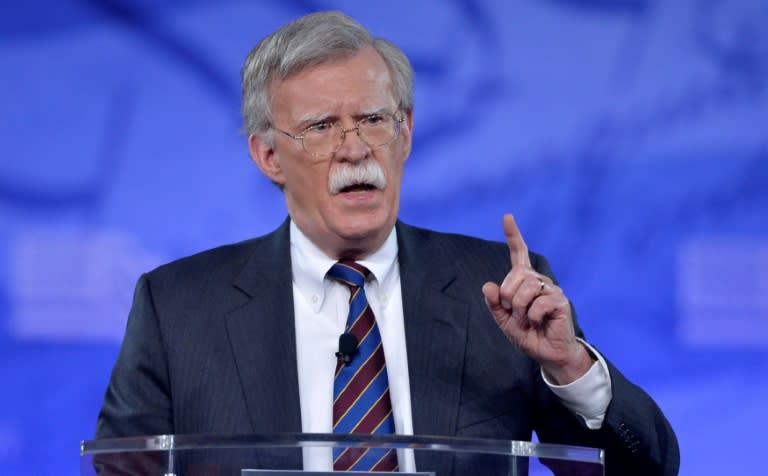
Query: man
point(241, 339)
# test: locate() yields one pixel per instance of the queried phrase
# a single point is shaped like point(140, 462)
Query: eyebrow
point(312, 117)
point(370, 112)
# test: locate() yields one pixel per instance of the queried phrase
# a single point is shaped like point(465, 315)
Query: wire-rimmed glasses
point(325, 138)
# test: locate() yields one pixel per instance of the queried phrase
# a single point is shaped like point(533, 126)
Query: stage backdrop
point(629, 137)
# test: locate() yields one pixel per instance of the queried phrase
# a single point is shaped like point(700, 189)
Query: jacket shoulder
point(222, 263)
point(464, 248)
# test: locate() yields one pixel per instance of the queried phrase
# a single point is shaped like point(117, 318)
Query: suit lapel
point(263, 339)
point(435, 329)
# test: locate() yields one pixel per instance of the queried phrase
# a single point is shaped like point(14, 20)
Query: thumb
point(492, 294)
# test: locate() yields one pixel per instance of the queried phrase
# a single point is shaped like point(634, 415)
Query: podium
point(304, 453)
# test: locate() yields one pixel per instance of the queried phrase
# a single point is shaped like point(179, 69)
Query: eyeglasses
point(325, 138)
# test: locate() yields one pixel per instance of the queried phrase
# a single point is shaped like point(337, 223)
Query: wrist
point(573, 368)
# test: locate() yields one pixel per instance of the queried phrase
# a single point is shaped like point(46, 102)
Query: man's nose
point(353, 147)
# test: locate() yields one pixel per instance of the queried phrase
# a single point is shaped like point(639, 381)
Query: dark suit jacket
point(210, 348)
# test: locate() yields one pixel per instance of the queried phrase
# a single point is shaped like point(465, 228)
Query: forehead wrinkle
point(311, 117)
point(332, 101)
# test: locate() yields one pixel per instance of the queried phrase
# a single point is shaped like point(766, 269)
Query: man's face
point(354, 221)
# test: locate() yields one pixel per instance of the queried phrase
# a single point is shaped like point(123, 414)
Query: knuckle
point(520, 300)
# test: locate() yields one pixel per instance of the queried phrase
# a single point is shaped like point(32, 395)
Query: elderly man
point(440, 334)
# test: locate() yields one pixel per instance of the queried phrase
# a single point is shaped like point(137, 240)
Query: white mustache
point(346, 174)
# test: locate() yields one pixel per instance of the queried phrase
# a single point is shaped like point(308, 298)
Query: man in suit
point(478, 338)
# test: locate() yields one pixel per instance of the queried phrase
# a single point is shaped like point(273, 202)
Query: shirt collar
point(309, 265)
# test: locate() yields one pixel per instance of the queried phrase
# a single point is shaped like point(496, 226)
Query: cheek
point(396, 168)
point(406, 149)
point(310, 177)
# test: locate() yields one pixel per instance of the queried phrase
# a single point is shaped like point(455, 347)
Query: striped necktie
point(361, 402)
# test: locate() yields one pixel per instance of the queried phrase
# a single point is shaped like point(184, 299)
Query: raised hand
point(535, 315)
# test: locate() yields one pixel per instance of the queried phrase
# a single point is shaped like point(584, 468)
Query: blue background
point(627, 136)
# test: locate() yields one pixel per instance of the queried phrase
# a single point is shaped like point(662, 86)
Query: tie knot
point(349, 272)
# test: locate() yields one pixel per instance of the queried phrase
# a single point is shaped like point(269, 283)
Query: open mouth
point(358, 187)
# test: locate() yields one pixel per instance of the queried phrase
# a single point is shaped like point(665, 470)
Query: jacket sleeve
point(138, 398)
point(636, 436)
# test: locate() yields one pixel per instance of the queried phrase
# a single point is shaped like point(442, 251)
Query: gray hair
point(306, 42)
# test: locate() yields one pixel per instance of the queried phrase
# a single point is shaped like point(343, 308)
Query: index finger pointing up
point(518, 250)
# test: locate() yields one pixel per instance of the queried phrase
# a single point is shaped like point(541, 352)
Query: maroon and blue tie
point(361, 402)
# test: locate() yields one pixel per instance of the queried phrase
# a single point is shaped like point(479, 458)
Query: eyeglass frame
point(343, 131)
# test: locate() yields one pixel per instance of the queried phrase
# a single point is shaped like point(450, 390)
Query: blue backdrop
point(627, 136)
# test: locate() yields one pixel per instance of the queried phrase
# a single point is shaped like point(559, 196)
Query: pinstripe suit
point(209, 348)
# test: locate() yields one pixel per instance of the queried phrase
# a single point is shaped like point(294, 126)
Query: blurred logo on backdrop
point(723, 293)
point(10, 441)
point(73, 283)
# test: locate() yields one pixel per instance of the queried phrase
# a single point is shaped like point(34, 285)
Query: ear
point(264, 156)
point(406, 131)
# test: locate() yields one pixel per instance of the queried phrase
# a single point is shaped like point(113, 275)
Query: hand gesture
point(534, 314)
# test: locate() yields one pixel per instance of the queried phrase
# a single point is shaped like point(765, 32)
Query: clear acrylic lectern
point(294, 454)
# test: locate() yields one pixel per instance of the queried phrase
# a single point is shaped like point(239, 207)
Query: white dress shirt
point(320, 307)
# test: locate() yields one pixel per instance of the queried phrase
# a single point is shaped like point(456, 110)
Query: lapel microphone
point(347, 347)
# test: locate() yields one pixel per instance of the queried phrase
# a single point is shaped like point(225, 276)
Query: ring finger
point(530, 288)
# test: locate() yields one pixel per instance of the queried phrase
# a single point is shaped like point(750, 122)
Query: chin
point(361, 231)
point(365, 228)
